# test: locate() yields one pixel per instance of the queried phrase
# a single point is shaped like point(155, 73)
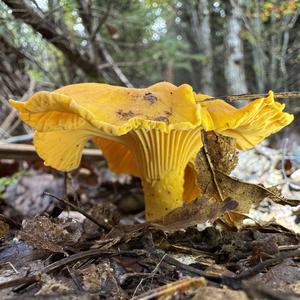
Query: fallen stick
point(246, 97)
point(27, 152)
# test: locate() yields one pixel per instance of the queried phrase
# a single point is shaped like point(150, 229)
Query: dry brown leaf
point(52, 286)
point(123, 233)
point(102, 277)
point(200, 211)
point(222, 151)
point(44, 233)
point(4, 229)
point(94, 276)
point(219, 185)
point(216, 293)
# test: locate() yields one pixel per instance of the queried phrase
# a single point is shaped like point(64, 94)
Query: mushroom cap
point(66, 118)
point(250, 124)
point(111, 109)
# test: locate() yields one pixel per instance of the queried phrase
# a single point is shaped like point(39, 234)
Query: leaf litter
point(60, 257)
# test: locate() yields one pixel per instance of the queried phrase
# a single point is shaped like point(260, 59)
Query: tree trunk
point(202, 31)
point(259, 57)
point(234, 64)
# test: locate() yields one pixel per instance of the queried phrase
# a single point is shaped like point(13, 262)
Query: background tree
point(220, 47)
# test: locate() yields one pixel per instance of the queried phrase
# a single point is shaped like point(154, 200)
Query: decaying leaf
point(222, 151)
point(52, 286)
point(200, 211)
point(284, 277)
point(101, 277)
point(106, 212)
point(219, 294)
point(123, 233)
point(26, 195)
point(4, 229)
point(44, 233)
point(216, 183)
point(94, 276)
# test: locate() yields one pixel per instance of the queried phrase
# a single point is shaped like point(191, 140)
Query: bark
point(259, 57)
point(202, 31)
point(234, 64)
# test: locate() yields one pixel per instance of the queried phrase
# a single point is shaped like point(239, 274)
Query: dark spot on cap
point(150, 97)
point(168, 113)
point(161, 119)
point(125, 114)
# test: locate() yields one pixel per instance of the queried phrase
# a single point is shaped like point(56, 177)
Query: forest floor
point(96, 244)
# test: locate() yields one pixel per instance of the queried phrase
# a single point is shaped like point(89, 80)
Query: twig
point(13, 267)
point(168, 289)
point(288, 247)
point(23, 152)
point(247, 97)
point(283, 153)
point(75, 279)
point(75, 257)
point(26, 281)
point(53, 267)
point(17, 138)
point(101, 224)
point(122, 77)
point(210, 164)
point(150, 275)
point(269, 262)
point(18, 281)
point(13, 113)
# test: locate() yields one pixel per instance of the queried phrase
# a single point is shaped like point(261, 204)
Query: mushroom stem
point(162, 158)
point(163, 195)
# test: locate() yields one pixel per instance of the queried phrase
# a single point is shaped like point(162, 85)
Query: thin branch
point(24, 151)
point(101, 224)
point(210, 164)
point(246, 97)
point(102, 20)
point(26, 281)
point(28, 14)
point(122, 77)
point(267, 263)
point(18, 281)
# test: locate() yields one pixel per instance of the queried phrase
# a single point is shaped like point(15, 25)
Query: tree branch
point(23, 11)
point(247, 97)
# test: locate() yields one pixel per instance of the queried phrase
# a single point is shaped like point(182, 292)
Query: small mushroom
point(153, 133)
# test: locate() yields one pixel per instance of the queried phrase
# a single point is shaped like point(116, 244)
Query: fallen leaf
point(222, 151)
point(44, 233)
point(26, 195)
point(101, 277)
point(200, 211)
point(52, 286)
point(219, 294)
point(106, 212)
point(4, 229)
point(280, 277)
point(217, 184)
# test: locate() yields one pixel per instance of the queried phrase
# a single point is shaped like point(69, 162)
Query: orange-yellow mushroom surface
point(153, 133)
